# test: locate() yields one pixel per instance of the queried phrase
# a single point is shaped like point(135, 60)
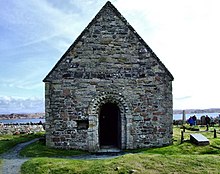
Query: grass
point(177, 158)
point(9, 141)
point(38, 149)
point(130, 163)
point(188, 148)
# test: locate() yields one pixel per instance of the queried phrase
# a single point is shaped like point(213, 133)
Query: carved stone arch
point(93, 114)
point(108, 97)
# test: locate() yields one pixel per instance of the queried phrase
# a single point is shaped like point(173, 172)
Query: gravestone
point(203, 122)
point(199, 139)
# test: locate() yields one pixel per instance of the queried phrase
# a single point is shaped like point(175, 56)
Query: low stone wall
point(20, 129)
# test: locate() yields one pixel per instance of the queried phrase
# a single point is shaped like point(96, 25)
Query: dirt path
point(12, 161)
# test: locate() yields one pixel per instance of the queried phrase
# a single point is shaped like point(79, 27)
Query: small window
point(82, 124)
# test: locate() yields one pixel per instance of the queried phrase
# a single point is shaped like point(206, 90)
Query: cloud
point(10, 104)
point(184, 34)
point(35, 21)
point(185, 37)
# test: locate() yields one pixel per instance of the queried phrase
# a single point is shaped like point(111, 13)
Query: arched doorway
point(109, 126)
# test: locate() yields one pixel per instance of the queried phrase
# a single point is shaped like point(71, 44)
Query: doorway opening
point(110, 126)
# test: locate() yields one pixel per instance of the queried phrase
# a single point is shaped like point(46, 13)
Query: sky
point(34, 34)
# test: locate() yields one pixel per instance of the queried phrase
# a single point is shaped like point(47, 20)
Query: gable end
point(118, 14)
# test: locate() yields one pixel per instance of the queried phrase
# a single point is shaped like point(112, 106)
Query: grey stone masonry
point(108, 63)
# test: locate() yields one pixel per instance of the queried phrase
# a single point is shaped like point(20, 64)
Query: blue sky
point(34, 34)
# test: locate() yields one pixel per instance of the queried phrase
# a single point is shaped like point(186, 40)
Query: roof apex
point(108, 4)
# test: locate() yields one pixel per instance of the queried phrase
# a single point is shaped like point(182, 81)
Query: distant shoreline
point(22, 116)
point(15, 116)
point(196, 111)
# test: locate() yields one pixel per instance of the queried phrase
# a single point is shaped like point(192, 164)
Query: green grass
point(177, 158)
point(38, 149)
point(138, 163)
point(9, 141)
point(188, 148)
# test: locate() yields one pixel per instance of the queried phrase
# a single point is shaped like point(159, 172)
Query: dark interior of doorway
point(109, 126)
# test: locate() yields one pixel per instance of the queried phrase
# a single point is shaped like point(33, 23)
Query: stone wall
point(20, 129)
point(109, 62)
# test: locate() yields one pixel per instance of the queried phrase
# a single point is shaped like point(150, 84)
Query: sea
point(198, 115)
point(37, 120)
point(23, 121)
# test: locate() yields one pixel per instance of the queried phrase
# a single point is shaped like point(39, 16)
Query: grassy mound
point(176, 158)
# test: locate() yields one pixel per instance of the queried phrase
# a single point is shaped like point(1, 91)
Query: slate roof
point(109, 5)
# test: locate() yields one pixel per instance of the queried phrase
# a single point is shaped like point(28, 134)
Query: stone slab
point(199, 139)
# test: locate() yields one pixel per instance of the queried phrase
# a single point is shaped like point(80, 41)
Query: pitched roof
point(110, 6)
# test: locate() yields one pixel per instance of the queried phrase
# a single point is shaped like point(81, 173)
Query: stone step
point(109, 149)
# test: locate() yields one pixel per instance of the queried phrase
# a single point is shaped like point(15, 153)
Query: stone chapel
point(108, 91)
